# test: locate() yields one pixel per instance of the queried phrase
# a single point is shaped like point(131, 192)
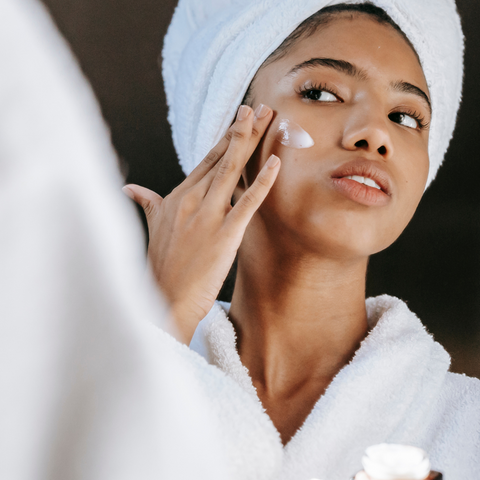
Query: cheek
point(297, 126)
point(296, 195)
point(286, 138)
point(413, 178)
point(301, 144)
point(292, 143)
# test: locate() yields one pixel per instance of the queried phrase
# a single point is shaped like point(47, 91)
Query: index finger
point(212, 158)
point(242, 146)
point(262, 118)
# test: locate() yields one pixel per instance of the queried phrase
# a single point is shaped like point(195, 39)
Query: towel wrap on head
point(213, 49)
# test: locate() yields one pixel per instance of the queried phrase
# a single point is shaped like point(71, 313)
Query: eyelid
point(321, 87)
point(422, 123)
point(415, 110)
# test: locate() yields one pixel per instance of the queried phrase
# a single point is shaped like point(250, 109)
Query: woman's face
point(362, 98)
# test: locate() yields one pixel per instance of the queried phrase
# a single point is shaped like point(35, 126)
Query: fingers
point(233, 160)
point(146, 198)
point(208, 162)
point(251, 200)
point(245, 136)
point(205, 183)
point(261, 120)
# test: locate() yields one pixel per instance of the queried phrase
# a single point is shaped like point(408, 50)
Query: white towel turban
point(213, 49)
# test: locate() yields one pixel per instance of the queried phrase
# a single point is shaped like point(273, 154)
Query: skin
point(299, 302)
point(191, 263)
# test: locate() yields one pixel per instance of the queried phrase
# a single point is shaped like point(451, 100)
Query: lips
point(359, 180)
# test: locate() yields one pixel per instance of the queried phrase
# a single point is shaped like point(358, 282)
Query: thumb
point(146, 198)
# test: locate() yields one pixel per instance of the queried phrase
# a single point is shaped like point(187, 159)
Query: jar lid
point(396, 462)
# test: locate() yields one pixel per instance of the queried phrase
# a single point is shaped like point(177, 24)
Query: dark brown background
point(435, 265)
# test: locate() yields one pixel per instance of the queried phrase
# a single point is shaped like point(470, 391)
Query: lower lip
point(360, 193)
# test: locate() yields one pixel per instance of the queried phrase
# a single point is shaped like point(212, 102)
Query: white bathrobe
point(90, 387)
point(396, 389)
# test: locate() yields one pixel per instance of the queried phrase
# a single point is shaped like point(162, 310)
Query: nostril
point(382, 150)
point(361, 144)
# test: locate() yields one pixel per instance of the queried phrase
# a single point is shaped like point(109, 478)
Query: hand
point(195, 232)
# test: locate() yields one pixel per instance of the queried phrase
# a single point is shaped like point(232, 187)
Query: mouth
point(369, 182)
point(364, 182)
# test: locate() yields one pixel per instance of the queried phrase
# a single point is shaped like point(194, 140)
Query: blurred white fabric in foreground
point(88, 388)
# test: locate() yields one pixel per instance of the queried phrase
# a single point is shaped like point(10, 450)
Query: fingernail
point(243, 112)
point(261, 111)
point(128, 192)
point(272, 161)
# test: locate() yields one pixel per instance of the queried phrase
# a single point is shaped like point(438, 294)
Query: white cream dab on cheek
point(293, 135)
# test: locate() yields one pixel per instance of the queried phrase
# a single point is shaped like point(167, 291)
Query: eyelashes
point(312, 91)
point(418, 117)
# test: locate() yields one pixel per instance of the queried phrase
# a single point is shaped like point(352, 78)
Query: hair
point(321, 19)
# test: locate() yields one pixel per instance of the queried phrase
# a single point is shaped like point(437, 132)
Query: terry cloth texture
point(91, 387)
point(396, 389)
point(213, 49)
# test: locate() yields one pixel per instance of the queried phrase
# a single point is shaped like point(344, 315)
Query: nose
point(368, 130)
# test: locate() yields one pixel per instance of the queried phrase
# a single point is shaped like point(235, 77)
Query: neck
point(297, 318)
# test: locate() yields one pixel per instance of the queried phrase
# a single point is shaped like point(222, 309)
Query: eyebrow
point(409, 88)
point(340, 65)
point(353, 71)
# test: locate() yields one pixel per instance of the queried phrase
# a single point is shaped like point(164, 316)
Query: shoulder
point(252, 445)
point(459, 404)
point(456, 429)
point(458, 410)
point(462, 392)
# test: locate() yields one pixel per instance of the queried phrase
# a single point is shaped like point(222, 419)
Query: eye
point(410, 121)
point(320, 96)
point(318, 93)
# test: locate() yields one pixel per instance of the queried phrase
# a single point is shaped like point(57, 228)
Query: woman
point(361, 107)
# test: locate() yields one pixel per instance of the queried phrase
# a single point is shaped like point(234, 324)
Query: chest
point(289, 409)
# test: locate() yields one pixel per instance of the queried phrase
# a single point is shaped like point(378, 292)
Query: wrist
point(185, 321)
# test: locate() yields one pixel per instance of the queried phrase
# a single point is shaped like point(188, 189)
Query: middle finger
point(245, 134)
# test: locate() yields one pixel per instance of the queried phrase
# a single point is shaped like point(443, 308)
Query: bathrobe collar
point(386, 392)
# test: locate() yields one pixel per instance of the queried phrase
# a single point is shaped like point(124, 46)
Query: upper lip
point(365, 168)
